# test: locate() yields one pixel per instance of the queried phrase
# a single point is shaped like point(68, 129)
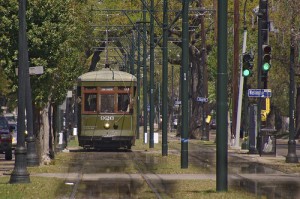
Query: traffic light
point(247, 64)
point(266, 58)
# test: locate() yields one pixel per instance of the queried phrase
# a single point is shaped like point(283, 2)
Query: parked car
point(13, 131)
point(5, 139)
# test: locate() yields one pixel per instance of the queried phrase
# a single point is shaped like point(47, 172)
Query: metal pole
point(132, 49)
point(222, 106)
point(32, 157)
point(138, 74)
point(20, 173)
point(185, 84)
point(172, 98)
point(151, 119)
point(292, 156)
point(145, 79)
point(241, 86)
point(235, 68)
point(165, 82)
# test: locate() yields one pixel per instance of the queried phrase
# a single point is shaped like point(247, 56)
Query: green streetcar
point(106, 109)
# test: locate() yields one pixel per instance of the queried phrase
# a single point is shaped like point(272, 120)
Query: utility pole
point(185, 84)
point(145, 79)
point(235, 69)
point(241, 85)
point(292, 156)
point(259, 64)
point(222, 107)
point(138, 75)
point(205, 130)
point(165, 82)
point(151, 117)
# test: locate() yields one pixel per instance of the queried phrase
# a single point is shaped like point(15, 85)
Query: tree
point(57, 39)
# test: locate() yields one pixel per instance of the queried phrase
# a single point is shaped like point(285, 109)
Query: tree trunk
point(43, 127)
point(196, 107)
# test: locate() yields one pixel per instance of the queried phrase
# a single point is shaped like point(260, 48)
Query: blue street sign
point(202, 99)
point(259, 93)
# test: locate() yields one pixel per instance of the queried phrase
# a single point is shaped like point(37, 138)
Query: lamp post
point(292, 156)
point(20, 173)
point(32, 157)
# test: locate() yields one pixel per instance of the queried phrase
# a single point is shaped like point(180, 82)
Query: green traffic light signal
point(266, 66)
point(266, 58)
point(247, 64)
point(247, 73)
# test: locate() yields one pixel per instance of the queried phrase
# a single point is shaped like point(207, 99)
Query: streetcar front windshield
point(90, 102)
point(107, 100)
point(107, 103)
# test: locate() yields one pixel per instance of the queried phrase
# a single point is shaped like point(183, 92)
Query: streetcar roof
point(107, 75)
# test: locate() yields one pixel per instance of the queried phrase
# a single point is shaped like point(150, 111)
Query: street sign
point(202, 99)
point(259, 93)
point(36, 70)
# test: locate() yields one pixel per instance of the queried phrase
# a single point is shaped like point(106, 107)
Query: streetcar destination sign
point(259, 93)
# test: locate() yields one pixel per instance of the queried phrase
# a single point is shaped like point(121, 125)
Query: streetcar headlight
point(106, 125)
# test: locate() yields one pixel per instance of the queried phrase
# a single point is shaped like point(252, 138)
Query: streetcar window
point(123, 102)
point(90, 103)
point(107, 103)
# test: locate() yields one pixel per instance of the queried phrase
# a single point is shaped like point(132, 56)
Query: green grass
point(192, 189)
point(38, 188)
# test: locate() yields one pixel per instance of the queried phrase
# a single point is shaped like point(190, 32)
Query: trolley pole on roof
point(165, 81)
point(151, 119)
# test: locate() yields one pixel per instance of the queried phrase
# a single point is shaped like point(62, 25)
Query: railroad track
point(100, 174)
